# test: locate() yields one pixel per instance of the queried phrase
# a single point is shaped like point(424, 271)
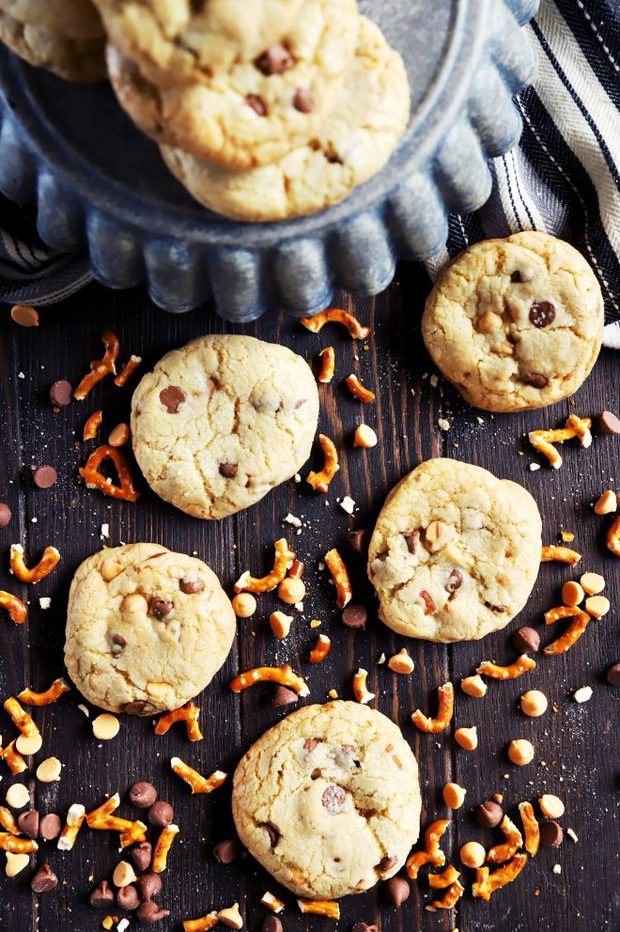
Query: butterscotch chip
point(244, 605)
point(592, 583)
point(24, 315)
point(597, 605)
point(474, 686)
point(521, 752)
point(16, 863)
point(551, 806)
point(48, 770)
point(607, 504)
point(533, 703)
point(291, 590)
point(454, 795)
point(28, 745)
point(472, 854)
point(572, 593)
point(123, 875)
point(17, 796)
point(106, 727)
point(467, 738)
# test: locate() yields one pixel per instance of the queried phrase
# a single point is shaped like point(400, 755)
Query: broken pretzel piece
point(20, 718)
point(102, 812)
point(75, 819)
point(432, 853)
point(487, 883)
point(336, 566)
point(560, 555)
point(613, 537)
point(328, 365)
point(358, 390)
point(99, 368)
point(514, 840)
point(94, 479)
point(283, 675)
point(189, 714)
point(360, 689)
point(14, 606)
point(42, 569)
point(201, 925)
point(272, 902)
point(54, 692)
point(320, 481)
point(450, 898)
point(195, 780)
point(336, 315)
point(495, 672)
point(11, 756)
point(531, 828)
point(135, 833)
point(9, 842)
point(328, 908)
point(127, 371)
point(9, 822)
point(92, 425)
point(162, 848)
point(444, 712)
point(570, 636)
point(543, 440)
point(561, 611)
point(283, 559)
point(444, 879)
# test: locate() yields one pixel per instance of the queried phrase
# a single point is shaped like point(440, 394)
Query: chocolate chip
point(613, 675)
point(50, 826)
point(141, 855)
point(535, 379)
point(608, 423)
point(160, 607)
point(118, 643)
point(29, 822)
point(310, 744)
point(257, 104)
point(526, 640)
point(412, 541)
point(516, 277)
point(139, 707)
point(359, 541)
point(272, 924)
point(386, 864)
point(542, 313)
point(283, 696)
point(160, 814)
point(128, 898)
point(228, 470)
point(303, 100)
point(61, 393)
point(44, 880)
point(149, 885)
point(496, 608)
point(172, 398)
point(333, 798)
point(227, 851)
point(274, 834)
point(44, 477)
point(102, 896)
point(364, 927)
point(489, 814)
point(5, 514)
point(191, 584)
point(275, 60)
point(551, 834)
point(354, 616)
point(150, 912)
point(142, 794)
point(455, 581)
point(396, 891)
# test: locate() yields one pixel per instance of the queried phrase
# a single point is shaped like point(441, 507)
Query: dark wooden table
point(576, 745)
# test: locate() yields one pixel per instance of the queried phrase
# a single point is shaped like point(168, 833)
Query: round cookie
point(222, 421)
point(256, 111)
point(147, 629)
point(455, 552)
point(357, 139)
point(328, 800)
point(73, 59)
point(515, 323)
point(77, 19)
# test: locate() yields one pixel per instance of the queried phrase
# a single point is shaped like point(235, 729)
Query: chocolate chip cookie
point(74, 59)
point(68, 19)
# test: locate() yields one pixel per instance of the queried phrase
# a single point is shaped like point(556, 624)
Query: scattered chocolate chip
point(227, 851)
point(303, 100)
point(526, 640)
point(386, 864)
point(412, 541)
point(535, 379)
point(24, 315)
point(44, 477)
point(149, 885)
point(542, 313)
point(551, 834)
point(44, 880)
point(160, 814)
point(102, 896)
point(141, 855)
point(608, 423)
point(172, 398)
point(613, 675)
point(359, 541)
point(364, 927)
point(50, 826)
point(396, 891)
point(128, 898)
point(150, 912)
point(354, 616)
point(274, 834)
point(257, 104)
point(283, 696)
point(139, 707)
point(333, 798)
point(5, 514)
point(118, 643)
point(455, 581)
point(272, 924)
point(159, 607)
point(142, 794)
point(61, 393)
point(29, 823)
point(275, 60)
point(191, 585)
point(228, 470)
point(489, 814)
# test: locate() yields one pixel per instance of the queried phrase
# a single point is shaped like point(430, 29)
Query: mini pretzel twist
point(189, 714)
point(14, 606)
point(54, 692)
point(9, 822)
point(450, 898)
point(358, 390)
point(75, 819)
point(581, 426)
point(514, 840)
point(530, 827)
point(338, 316)
point(201, 925)
point(99, 368)
point(92, 425)
point(432, 853)
point(321, 650)
point(162, 848)
point(283, 559)
point(320, 481)
point(15, 845)
point(329, 908)
point(195, 780)
point(283, 675)
point(336, 566)
point(487, 883)
point(520, 666)
point(543, 440)
point(128, 370)
point(560, 555)
point(570, 636)
point(561, 611)
point(360, 689)
point(13, 758)
point(20, 718)
point(613, 537)
point(445, 879)
point(42, 569)
point(94, 479)
point(444, 713)
point(328, 365)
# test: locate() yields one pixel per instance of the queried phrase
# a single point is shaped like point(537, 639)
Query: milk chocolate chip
point(172, 398)
point(333, 798)
point(542, 313)
point(61, 393)
point(142, 794)
point(535, 379)
point(102, 896)
point(160, 607)
point(275, 60)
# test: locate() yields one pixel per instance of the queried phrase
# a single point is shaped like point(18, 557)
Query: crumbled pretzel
point(135, 833)
point(514, 840)
point(560, 555)
point(450, 898)
point(13, 758)
point(613, 537)
point(320, 481)
point(531, 828)
point(570, 636)
point(92, 425)
point(581, 427)
point(336, 315)
point(54, 692)
point(9, 842)
point(444, 712)
point(94, 479)
point(297, 570)
point(127, 371)
point(42, 569)
point(336, 566)
point(358, 390)
point(360, 689)
point(195, 780)
point(561, 611)
point(162, 848)
point(9, 822)
point(14, 606)
point(99, 368)
point(283, 559)
point(202, 924)
point(189, 714)
point(20, 718)
point(444, 879)
point(487, 883)
point(102, 812)
point(283, 675)
point(321, 650)
point(432, 853)
point(520, 666)
point(543, 440)
point(272, 902)
point(328, 365)
point(329, 908)
point(75, 818)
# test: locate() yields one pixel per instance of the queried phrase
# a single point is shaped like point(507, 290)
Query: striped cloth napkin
point(563, 177)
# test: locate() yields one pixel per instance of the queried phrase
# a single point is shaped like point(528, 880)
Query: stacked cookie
point(264, 110)
point(64, 36)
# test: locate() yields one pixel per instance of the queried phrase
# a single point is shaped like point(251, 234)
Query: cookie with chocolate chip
point(222, 421)
point(328, 800)
point(147, 629)
point(515, 323)
point(75, 58)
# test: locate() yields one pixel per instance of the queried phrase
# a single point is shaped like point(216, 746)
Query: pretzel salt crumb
point(445, 712)
point(201, 925)
point(560, 555)
point(195, 780)
point(9, 842)
point(486, 883)
point(14, 606)
point(75, 818)
point(329, 908)
point(320, 481)
point(450, 898)
point(11, 756)
point(283, 675)
point(20, 718)
point(336, 566)
point(321, 649)
point(358, 390)
point(531, 828)
point(338, 316)
point(283, 559)
point(328, 365)
point(54, 692)
point(92, 425)
point(189, 714)
point(432, 853)
point(100, 368)
point(570, 636)
point(42, 569)
point(514, 840)
point(496, 672)
point(162, 848)
point(127, 371)
point(272, 902)
point(94, 479)
point(360, 689)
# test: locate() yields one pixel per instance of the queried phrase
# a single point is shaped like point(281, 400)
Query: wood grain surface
point(576, 745)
